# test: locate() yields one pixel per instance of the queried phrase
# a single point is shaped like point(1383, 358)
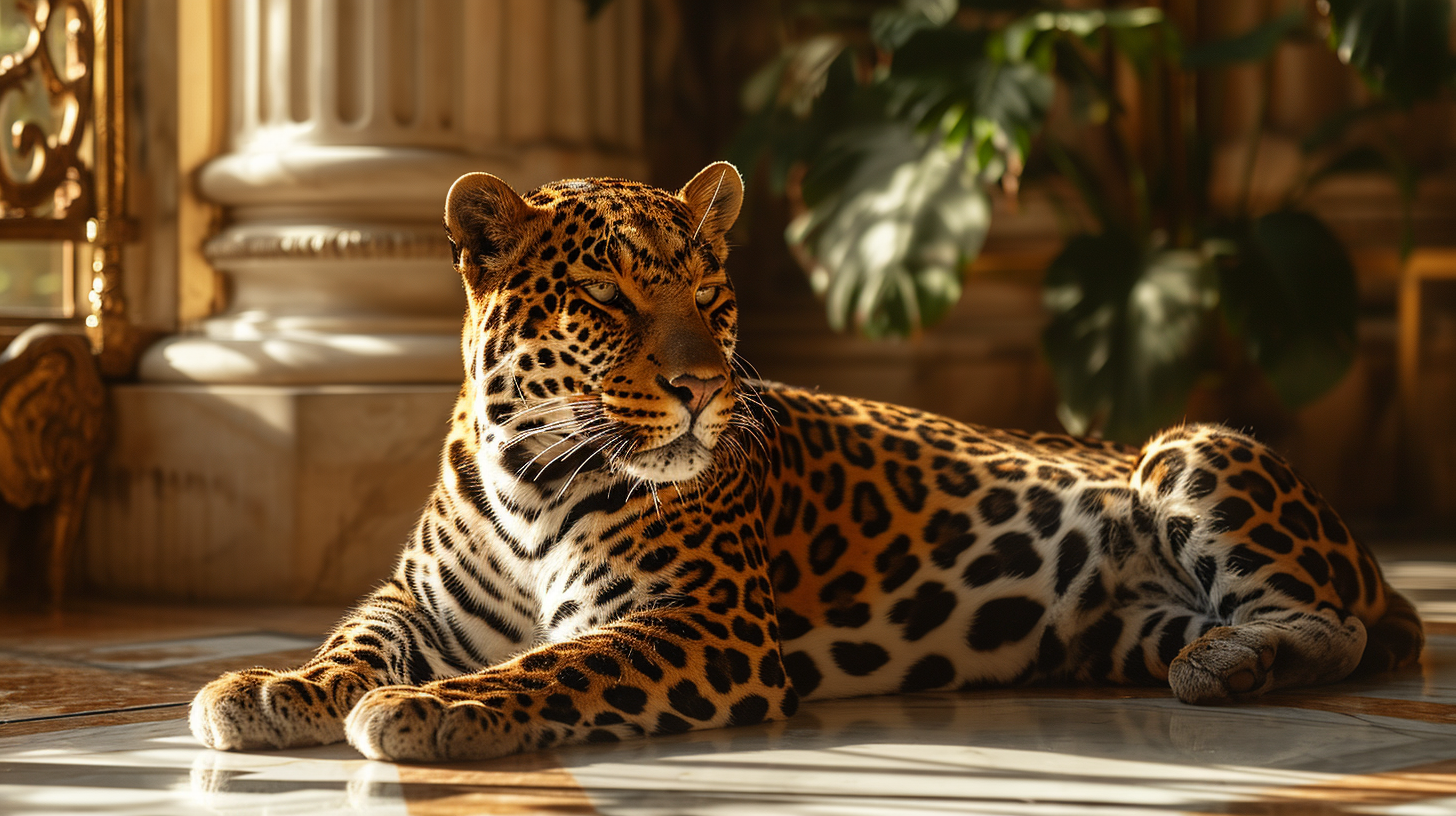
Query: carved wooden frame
point(52, 426)
point(52, 401)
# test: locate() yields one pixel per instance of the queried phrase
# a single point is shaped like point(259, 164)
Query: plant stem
point(1096, 203)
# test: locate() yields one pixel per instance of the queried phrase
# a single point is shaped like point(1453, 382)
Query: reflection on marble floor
point(92, 707)
point(996, 752)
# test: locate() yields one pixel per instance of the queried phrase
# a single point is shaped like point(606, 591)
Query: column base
point(260, 493)
point(299, 359)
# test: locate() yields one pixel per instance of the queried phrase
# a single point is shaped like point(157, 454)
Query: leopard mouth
point(553, 448)
point(678, 460)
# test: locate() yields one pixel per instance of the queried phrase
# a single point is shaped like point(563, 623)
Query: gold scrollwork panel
point(46, 188)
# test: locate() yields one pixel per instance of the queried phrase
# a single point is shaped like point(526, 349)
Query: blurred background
point(1087, 216)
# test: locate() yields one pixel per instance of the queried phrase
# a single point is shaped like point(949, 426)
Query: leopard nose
point(695, 392)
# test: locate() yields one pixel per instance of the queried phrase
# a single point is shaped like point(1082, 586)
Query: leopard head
point(602, 322)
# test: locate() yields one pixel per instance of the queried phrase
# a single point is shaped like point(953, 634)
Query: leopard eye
point(706, 295)
point(602, 293)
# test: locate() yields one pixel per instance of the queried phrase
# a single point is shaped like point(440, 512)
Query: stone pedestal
point(261, 493)
point(280, 449)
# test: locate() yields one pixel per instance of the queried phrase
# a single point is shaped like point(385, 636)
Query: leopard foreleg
point(661, 672)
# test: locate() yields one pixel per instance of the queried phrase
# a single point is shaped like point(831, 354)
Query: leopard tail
point(1395, 640)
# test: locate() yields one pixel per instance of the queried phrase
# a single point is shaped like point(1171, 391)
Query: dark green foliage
point(1128, 332)
point(1400, 47)
point(1289, 292)
point(886, 244)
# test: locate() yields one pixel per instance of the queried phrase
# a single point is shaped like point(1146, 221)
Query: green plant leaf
point(892, 27)
point(799, 102)
point(1015, 97)
point(1251, 46)
point(941, 82)
point(1127, 333)
point(886, 248)
point(1019, 39)
point(1400, 47)
point(948, 52)
point(1289, 292)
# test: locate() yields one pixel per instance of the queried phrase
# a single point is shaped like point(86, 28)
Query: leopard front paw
point(408, 724)
point(261, 709)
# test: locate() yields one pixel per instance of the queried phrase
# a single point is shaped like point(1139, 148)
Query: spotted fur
point(628, 537)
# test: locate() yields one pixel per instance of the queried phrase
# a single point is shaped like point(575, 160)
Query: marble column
point(279, 450)
point(349, 119)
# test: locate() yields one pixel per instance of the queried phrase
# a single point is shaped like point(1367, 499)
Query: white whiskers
point(711, 202)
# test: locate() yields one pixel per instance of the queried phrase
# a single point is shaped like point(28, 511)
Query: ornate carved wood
point(51, 433)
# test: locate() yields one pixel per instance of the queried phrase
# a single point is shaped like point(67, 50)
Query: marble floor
point(93, 706)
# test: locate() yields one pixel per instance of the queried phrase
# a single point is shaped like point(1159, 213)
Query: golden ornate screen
point(62, 174)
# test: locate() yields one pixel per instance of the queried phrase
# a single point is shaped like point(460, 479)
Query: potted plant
point(892, 125)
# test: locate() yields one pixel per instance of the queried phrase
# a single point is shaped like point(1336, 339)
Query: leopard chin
point(679, 460)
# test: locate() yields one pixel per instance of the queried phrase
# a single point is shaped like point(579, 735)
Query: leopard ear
point(483, 217)
point(714, 197)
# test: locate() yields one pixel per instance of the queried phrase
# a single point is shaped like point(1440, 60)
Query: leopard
point(630, 535)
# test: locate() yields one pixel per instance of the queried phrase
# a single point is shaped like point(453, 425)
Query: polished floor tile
point(117, 663)
point(92, 708)
point(992, 752)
